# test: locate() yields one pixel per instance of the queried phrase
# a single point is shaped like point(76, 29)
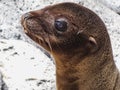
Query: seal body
point(79, 42)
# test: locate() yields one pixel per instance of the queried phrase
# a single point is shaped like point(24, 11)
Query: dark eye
point(61, 25)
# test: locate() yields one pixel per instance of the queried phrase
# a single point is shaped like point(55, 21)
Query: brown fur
point(83, 54)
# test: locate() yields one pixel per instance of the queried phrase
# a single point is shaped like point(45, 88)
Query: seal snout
point(24, 18)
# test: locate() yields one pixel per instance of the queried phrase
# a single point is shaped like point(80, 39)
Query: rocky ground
point(23, 64)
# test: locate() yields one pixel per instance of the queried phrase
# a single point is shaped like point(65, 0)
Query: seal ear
point(90, 42)
point(93, 44)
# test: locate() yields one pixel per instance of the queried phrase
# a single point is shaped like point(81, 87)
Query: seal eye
point(61, 25)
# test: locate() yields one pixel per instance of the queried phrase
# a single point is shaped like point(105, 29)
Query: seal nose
point(26, 16)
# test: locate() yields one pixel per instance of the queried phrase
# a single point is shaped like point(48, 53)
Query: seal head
point(65, 27)
point(79, 42)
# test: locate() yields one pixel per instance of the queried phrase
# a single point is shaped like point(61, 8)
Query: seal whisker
point(49, 44)
point(79, 32)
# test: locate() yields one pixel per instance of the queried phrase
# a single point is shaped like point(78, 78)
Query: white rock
point(3, 85)
point(112, 4)
point(25, 67)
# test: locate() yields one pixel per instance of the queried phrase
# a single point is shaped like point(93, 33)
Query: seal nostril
point(27, 16)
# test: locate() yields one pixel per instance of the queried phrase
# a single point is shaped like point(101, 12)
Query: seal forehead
point(70, 8)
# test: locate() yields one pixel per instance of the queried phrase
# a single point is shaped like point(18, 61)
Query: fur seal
point(79, 42)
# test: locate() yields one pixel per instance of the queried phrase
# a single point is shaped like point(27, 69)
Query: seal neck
point(88, 73)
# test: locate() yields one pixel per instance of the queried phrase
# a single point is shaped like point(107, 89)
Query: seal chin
point(39, 39)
